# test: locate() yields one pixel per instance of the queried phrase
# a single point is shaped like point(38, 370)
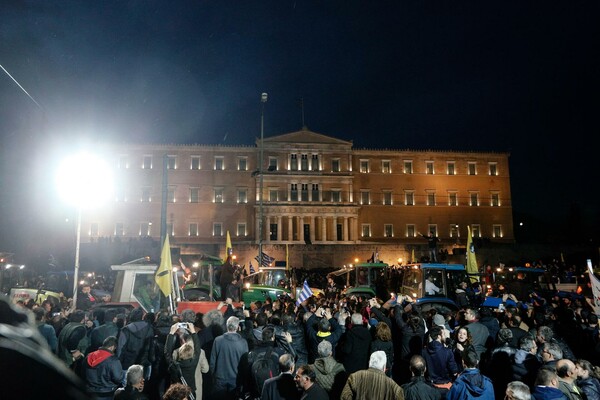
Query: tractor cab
point(433, 285)
point(363, 279)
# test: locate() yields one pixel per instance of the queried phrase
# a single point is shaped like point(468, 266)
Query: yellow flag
point(228, 247)
point(164, 271)
point(412, 256)
point(287, 258)
point(471, 259)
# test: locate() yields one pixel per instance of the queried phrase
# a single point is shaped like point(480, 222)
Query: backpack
point(262, 367)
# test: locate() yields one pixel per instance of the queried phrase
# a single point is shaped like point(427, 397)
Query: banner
point(595, 284)
point(471, 258)
point(163, 273)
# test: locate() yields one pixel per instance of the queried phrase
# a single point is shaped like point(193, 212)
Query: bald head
point(566, 370)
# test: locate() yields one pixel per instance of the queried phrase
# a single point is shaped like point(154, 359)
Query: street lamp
point(85, 181)
point(263, 100)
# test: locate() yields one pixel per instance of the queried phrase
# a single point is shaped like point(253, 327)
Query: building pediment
point(304, 136)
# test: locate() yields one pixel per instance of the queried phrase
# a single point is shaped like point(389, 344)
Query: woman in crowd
point(463, 342)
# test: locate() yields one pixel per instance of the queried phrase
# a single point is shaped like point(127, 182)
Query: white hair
point(357, 319)
point(378, 360)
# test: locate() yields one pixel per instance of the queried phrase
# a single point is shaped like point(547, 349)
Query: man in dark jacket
point(135, 385)
point(298, 337)
point(135, 341)
point(282, 386)
point(225, 357)
point(102, 370)
point(354, 349)
point(108, 328)
point(525, 363)
point(440, 359)
point(418, 388)
point(72, 339)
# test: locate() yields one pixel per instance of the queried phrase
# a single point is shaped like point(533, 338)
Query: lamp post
point(83, 180)
point(263, 100)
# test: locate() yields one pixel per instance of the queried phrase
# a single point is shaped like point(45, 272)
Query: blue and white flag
point(304, 294)
point(252, 271)
point(266, 260)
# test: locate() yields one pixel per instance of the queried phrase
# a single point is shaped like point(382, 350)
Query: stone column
point(301, 229)
point(324, 229)
point(290, 228)
point(313, 228)
point(345, 229)
point(279, 229)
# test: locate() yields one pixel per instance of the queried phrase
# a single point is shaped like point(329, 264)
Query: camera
point(182, 325)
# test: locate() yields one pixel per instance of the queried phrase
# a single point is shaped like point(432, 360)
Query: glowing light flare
point(84, 180)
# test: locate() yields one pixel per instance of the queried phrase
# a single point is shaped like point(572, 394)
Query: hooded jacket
point(135, 341)
point(102, 371)
point(525, 367)
point(471, 385)
point(326, 369)
point(591, 388)
point(440, 362)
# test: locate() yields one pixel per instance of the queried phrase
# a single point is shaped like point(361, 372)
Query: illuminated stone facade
point(320, 195)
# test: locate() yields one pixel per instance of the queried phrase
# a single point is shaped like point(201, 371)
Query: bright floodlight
point(84, 180)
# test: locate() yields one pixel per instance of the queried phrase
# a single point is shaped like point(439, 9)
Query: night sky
point(519, 77)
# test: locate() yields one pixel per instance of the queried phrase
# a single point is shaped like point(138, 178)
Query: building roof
point(304, 136)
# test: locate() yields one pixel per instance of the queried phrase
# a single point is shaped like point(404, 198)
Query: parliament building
point(330, 203)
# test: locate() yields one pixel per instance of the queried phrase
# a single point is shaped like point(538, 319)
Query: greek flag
point(252, 271)
point(266, 260)
point(304, 294)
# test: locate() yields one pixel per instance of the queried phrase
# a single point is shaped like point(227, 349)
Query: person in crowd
point(551, 353)
point(546, 385)
point(525, 362)
point(213, 322)
point(102, 370)
point(178, 391)
point(372, 383)
point(327, 329)
point(462, 300)
point(440, 320)
point(331, 290)
point(514, 325)
point(283, 386)
point(134, 386)
point(546, 334)
point(499, 366)
point(330, 374)
point(296, 330)
point(106, 329)
point(73, 340)
point(517, 390)
point(383, 341)
point(587, 379)
point(479, 332)
point(85, 299)
point(418, 388)
point(471, 384)
point(567, 377)
point(267, 347)
point(355, 344)
point(45, 329)
point(226, 277)
point(411, 328)
point(183, 361)
point(490, 321)
point(441, 362)
point(432, 244)
point(225, 357)
point(136, 341)
point(463, 342)
point(306, 381)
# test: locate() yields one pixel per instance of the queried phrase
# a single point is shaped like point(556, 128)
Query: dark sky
point(509, 76)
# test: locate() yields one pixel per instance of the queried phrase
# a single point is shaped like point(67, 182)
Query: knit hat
point(439, 320)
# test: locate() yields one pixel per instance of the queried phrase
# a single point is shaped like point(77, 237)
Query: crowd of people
point(327, 347)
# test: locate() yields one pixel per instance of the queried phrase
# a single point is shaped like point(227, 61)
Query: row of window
point(407, 167)
point(411, 232)
point(310, 192)
point(241, 231)
point(312, 163)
